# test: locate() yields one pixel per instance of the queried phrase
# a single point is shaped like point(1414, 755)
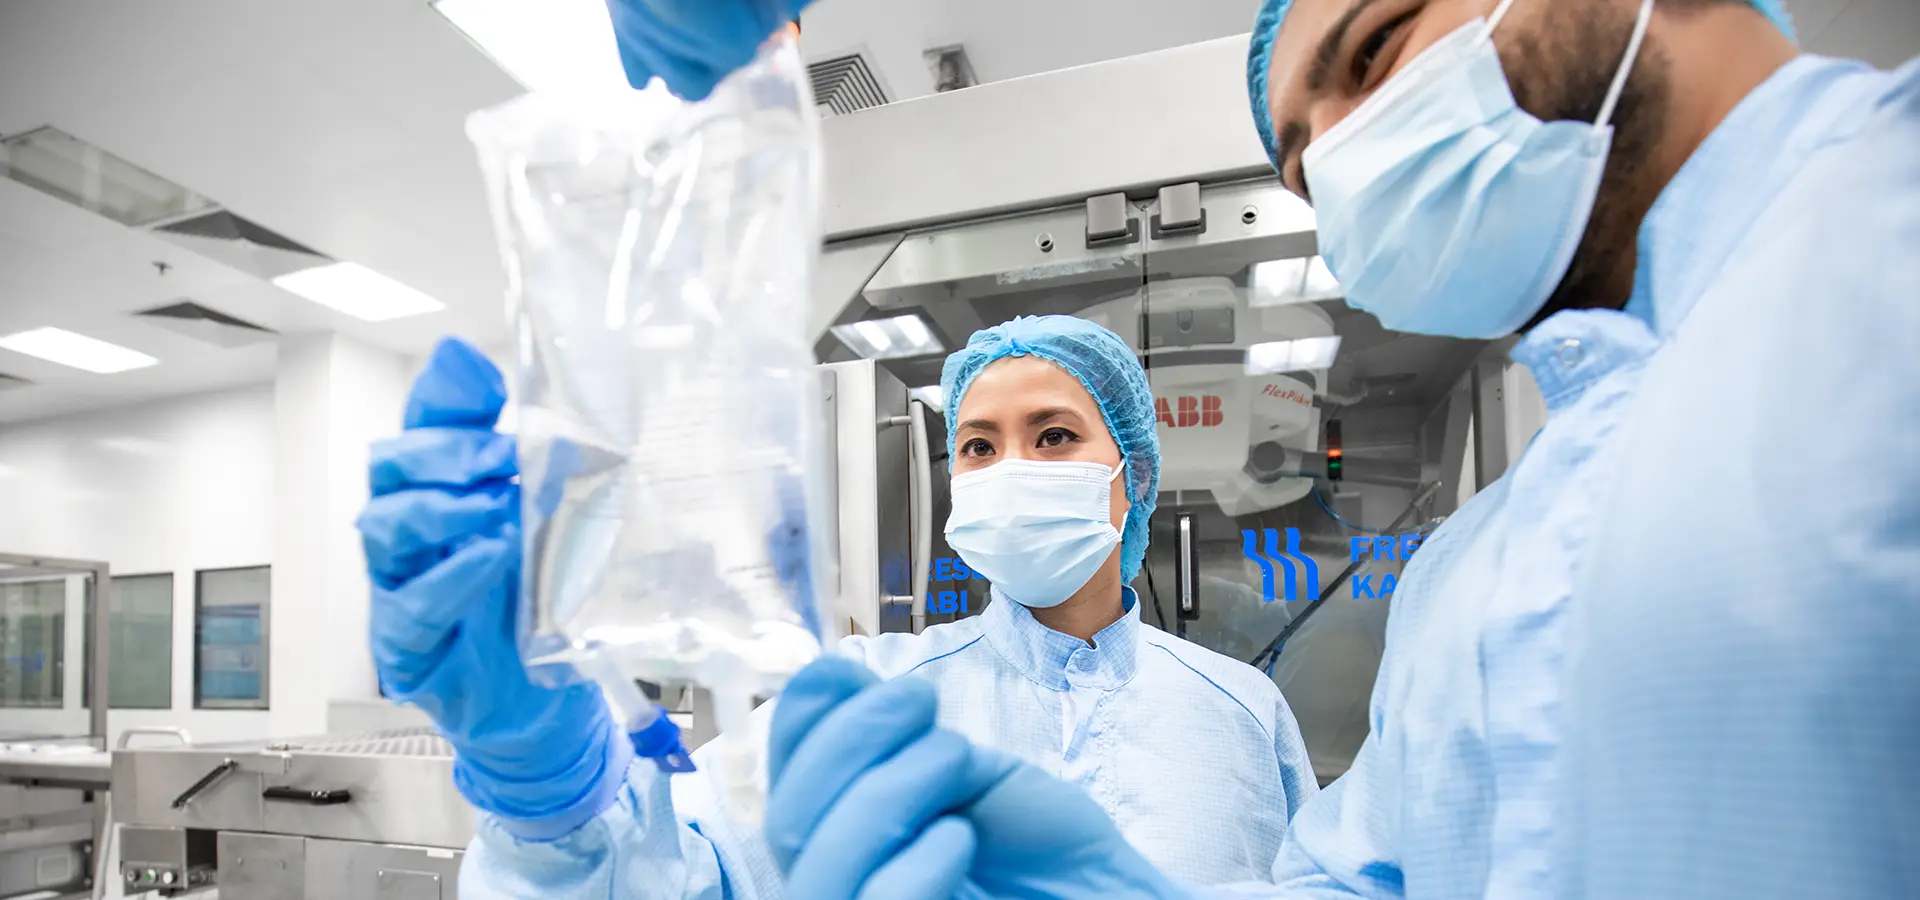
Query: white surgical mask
point(1443, 207)
point(1036, 530)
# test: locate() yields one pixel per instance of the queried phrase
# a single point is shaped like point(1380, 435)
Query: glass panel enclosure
point(1291, 431)
point(1254, 362)
point(33, 644)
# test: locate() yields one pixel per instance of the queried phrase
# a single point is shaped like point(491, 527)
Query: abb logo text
point(1188, 412)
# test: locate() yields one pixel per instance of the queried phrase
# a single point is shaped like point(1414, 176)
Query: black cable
point(1154, 595)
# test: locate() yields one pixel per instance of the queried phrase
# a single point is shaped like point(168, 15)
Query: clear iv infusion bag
point(659, 255)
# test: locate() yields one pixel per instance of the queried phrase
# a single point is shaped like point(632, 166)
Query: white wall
point(272, 474)
point(172, 486)
point(333, 398)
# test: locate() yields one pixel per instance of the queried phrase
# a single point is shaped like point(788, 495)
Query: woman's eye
point(1054, 437)
point(1367, 55)
point(975, 447)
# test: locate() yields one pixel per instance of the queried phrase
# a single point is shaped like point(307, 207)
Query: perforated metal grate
point(390, 742)
point(845, 84)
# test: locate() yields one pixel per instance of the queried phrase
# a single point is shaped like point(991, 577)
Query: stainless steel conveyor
point(371, 815)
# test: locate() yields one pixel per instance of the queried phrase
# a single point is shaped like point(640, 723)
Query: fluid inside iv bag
point(659, 255)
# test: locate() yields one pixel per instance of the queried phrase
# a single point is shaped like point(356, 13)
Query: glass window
point(141, 641)
point(33, 639)
point(230, 638)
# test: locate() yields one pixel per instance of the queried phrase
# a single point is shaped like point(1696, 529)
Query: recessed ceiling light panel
point(358, 291)
point(1281, 282)
point(545, 45)
point(934, 396)
point(58, 345)
point(1298, 355)
point(891, 338)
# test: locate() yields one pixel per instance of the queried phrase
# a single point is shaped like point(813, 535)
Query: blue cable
point(1315, 491)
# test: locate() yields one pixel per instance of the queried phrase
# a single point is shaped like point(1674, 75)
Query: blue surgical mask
point(1036, 530)
point(1443, 207)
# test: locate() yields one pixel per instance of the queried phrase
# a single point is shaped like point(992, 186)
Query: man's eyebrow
point(1329, 48)
point(1293, 133)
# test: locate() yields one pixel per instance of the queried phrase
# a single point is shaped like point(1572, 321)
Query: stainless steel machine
point(373, 815)
point(55, 797)
point(49, 790)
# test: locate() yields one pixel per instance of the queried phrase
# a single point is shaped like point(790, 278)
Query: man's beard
point(1562, 71)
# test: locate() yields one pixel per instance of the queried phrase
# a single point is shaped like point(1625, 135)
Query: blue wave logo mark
point(1297, 568)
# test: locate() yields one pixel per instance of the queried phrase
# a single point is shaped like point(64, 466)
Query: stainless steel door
point(883, 495)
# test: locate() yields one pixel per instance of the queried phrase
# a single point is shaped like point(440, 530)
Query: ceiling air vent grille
point(245, 245)
point(210, 325)
point(221, 225)
point(845, 84)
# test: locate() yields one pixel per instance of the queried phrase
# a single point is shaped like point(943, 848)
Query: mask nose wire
point(1626, 65)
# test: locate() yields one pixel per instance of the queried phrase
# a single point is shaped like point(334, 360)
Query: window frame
point(86, 644)
point(59, 701)
point(200, 701)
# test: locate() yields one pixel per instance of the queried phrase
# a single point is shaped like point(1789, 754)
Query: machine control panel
point(166, 860)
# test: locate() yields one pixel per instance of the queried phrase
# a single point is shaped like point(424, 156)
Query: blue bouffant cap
point(1266, 28)
point(1108, 369)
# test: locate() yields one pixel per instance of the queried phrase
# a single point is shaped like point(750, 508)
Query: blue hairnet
point(1266, 28)
point(1107, 368)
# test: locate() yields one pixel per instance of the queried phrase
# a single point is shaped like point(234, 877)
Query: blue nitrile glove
point(693, 44)
point(870, 800)
point(442, 537)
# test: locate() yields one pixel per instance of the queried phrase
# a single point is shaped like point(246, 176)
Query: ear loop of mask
point(1626, 65)
point(1499, 12)
point(1620, 74)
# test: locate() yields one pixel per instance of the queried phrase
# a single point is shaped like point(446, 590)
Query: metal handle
point(1186, 572)
point(179, 734)
point(206, 783)
point(921, 456)
point(309, 797)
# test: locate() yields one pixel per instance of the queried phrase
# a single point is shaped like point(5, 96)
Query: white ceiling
point(339, 125)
